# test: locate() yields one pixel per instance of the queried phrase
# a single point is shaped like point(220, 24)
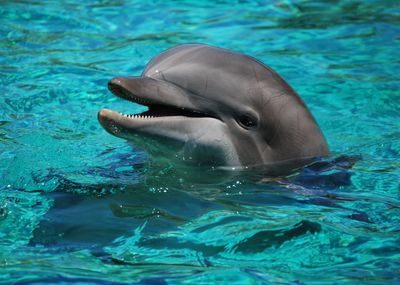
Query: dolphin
point(209, 106)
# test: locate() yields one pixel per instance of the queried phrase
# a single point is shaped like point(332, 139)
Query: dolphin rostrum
point(210, 106)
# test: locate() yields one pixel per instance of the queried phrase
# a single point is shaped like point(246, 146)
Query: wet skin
point(212, 107)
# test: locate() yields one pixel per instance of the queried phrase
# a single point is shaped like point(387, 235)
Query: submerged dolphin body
point(213, 107)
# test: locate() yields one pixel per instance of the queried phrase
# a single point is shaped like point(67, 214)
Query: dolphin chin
point(210, 106)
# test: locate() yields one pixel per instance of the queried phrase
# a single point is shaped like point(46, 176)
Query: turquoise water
point(78, 205)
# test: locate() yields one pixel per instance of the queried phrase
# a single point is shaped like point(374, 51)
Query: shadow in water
point(266, 239)
point(89, 216)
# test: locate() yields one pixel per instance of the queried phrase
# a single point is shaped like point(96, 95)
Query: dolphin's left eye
point(247, 121)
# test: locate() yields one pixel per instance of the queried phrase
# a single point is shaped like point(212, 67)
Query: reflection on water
point(80, 206)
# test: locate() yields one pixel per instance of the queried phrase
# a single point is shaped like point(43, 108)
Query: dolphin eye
point(247, 121)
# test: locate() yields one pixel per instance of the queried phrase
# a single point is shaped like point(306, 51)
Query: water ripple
point(78, 205)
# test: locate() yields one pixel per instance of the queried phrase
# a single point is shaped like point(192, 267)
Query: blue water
point(78, 205)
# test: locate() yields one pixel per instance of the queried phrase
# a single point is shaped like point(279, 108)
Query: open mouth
point(155, 109)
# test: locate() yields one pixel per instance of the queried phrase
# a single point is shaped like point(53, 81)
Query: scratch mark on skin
point(256, 76)
point(278, 122)
point(162, 75)
point(158, 90)
point(206, 87)
point(266, 100)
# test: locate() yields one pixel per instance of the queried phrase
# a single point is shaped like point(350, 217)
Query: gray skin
point(213, 107)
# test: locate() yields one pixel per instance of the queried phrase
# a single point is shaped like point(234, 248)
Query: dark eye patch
point(247, 121)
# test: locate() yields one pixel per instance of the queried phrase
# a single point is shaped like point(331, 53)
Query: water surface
point(78, 205)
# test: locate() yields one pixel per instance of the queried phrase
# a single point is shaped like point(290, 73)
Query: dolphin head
point(211, 106)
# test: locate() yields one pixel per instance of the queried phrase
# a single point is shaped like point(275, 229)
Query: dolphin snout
point(125, 87)
point(103, 116)
point(115, 83)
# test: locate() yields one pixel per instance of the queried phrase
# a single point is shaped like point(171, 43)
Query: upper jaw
point(135, 89)
point(159, 94)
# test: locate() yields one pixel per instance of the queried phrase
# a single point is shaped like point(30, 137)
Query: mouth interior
point(158, 110)
point(155, 109)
